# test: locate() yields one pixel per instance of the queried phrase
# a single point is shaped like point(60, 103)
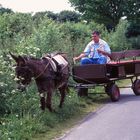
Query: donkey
point(49, 73)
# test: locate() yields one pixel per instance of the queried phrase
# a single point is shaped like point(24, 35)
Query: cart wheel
point(114, 93)
point(136, 87)
point(83, 92)
point(107, 88)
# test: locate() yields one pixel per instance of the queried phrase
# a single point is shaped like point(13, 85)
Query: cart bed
point(104, 73)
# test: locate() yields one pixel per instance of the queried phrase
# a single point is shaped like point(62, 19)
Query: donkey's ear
point(14, 57)
point(21, 60)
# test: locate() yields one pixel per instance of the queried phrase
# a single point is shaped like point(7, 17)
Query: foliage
point(133, 30)
point(133, 34)
point(6, 82)
point(63, 16)
point(135, 41)
point(40, 16)
point(69, 16)
point(14, 28)
point(5, 10)
point(117, 39)
point(108, 12)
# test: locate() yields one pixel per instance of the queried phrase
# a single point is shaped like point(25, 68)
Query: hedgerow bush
point(117, 39)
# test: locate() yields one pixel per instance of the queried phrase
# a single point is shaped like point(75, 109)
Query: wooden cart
point(123, 65)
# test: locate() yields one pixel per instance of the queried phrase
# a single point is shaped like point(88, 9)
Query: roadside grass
point(71, 114)
point(96, 99)
point(124, 82)
point(29, 122)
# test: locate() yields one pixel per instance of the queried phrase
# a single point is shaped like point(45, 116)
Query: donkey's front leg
point(49, 99)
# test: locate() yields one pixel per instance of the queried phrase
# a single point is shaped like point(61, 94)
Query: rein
point(81, 78)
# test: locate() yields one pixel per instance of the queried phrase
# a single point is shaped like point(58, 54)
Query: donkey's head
point(23, 72)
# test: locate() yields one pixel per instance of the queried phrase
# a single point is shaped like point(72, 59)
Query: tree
point(14, 26)
point(63, 16)
point(108, 12)
point(41, 15)
point(52, 15)
point(133, 30)
point(69, 16)
point(5, 10)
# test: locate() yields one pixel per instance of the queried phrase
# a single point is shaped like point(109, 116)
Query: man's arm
point(104, 53)
point(79, 57)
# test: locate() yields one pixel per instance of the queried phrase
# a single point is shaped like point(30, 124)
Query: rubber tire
point(83, 92)
point(107, 88)
point(136, 87)
point(114, 93)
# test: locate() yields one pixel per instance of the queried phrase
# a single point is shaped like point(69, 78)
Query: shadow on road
point(127, 95)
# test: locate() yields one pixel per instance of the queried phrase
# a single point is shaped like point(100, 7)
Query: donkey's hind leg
point(62, 91)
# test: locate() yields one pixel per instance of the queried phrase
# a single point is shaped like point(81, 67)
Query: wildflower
point(1, 84)
point(16, 79)
point(1, 72)
point(3, 94)
point(12, 74)
point(13, 91)
point(3, 123)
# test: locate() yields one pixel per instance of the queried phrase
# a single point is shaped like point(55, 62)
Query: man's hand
point(79, 57)
point(75, 59)
point(100, 51)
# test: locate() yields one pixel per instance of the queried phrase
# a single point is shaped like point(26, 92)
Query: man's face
point(95, 37)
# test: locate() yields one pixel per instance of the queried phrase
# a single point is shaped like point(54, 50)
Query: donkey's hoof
point(50, 109)
point(42, 108)
point(53, 110)
point(60, 106)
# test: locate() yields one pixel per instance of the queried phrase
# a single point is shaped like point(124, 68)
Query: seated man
point(96, 52)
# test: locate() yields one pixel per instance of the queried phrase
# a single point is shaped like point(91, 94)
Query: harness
point(57, 62)
point(42, 71)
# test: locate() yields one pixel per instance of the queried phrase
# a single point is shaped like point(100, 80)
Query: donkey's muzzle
point(21, 87)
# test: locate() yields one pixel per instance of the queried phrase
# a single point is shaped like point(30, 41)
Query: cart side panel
point(137, 68)
point(123, 68)
point(115, 71)
point(91, 73)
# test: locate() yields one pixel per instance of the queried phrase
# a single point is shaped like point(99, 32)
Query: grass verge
point(28, 122)
point(83, 106)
